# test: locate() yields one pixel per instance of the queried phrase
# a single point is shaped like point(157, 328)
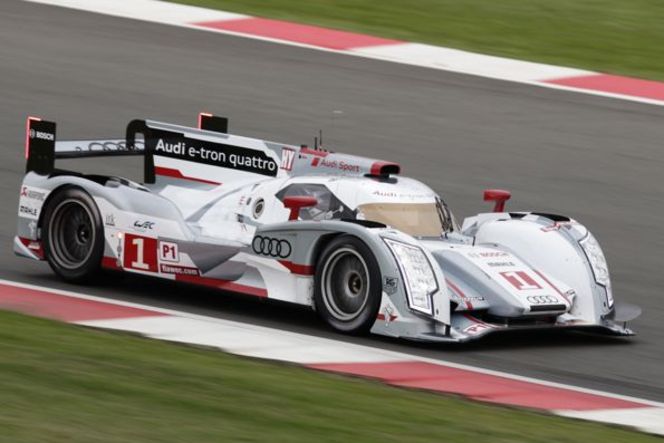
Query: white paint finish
point(448, 59)
point(645, 419)
point(149, 10)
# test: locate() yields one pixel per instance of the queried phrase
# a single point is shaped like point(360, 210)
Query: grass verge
point(617, 36)
point(62, 383)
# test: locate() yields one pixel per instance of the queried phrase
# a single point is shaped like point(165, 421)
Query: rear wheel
point(73, 235)
point(347, 288)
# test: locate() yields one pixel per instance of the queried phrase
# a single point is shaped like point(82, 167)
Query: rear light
point(27, 134)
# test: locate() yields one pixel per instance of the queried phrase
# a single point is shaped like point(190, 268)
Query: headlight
point(598, 264)
point(417, 273)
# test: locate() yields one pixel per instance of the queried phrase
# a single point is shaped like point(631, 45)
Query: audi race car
point(368, 249)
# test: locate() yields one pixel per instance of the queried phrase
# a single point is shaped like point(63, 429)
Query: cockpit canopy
point(403, 204)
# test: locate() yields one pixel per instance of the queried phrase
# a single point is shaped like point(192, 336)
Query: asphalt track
point(596, 159)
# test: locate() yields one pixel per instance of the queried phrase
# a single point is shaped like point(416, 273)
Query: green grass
point(617, 36)
point(62, 383)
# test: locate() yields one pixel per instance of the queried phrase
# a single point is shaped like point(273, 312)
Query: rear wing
point(42, 147)
point(207, 154)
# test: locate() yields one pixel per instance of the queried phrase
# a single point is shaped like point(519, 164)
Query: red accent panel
point(500, 196)
point(295, 32)
point(168, 172)
point(382, 317)
point(377, 167)
point(456, 289)
point(34, 246)
point(222, 284)
point(297, 202)
point(315, 152)
point(552, 285)
point(42, 303)
point(478, 386)
point(110, 263)
point(27, 134)
point(298, 269)
point(615, 84)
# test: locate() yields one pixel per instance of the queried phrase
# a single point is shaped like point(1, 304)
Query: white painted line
point(246, 340)
point(448, 59)
point(646, 419)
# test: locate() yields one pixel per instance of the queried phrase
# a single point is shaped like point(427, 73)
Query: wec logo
point(144, 225)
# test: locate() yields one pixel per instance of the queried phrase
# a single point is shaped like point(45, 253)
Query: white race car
point(368, 249)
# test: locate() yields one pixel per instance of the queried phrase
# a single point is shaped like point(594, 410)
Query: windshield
point(417, 219)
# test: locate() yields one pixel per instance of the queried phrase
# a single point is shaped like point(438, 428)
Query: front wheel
point(73, 235)
point(347, 291)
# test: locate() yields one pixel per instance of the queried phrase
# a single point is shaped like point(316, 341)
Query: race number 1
point(140, 253)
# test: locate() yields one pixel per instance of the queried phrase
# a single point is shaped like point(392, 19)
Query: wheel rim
point(71, 234)
point(345, 284)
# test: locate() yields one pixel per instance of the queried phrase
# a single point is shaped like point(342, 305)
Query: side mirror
point(500, 196)
point(296, 203)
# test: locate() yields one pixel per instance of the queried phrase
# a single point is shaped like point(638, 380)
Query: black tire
point(73, 235)
point(347, 285)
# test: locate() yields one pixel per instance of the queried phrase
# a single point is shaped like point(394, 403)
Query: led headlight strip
point(598, 264)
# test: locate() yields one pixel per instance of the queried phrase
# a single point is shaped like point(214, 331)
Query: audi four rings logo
point(272, 247)
point(542, 299)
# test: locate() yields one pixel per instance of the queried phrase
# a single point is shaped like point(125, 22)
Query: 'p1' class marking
point(168, 251)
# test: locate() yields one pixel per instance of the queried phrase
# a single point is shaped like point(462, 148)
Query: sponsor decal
point(109, 220)
point(387, 315)
point(179, 270)
point(168, 251)
point(33, 229)
point(143, 225)
point(334, 164)
point(475, 298)
point(41, 135)
point(476, 328)
point(488, 254)
point(521, 280)
point(107, 145)
point(542, 299)
point(216, 154)
point(28, 211)
point(557, 226)
point(30, 193)
point(501, 264)
point(287, 158)
point(272, 247)
point(390, 285)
